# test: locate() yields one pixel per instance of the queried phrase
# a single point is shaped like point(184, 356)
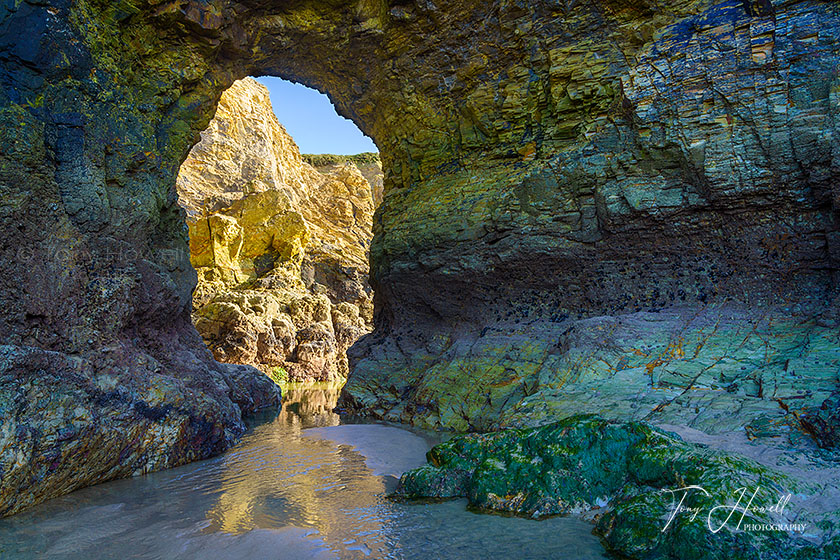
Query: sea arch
point(544, 161)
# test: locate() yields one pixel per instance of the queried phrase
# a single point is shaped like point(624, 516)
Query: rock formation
point(281, 249)
point(564, 181)
point(622, 473)
point(368, 164)
point(636, 161)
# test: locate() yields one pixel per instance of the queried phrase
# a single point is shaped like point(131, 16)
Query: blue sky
point(310, 118)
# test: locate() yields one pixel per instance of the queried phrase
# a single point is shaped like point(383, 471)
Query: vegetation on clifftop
point(320, 160)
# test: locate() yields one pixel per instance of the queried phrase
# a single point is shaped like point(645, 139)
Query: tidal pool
point(300, 484)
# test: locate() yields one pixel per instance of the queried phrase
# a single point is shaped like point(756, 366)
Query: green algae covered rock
point(561, 468)
point(653, 494)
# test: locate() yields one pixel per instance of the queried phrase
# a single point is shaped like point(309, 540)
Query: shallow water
point(297, 486)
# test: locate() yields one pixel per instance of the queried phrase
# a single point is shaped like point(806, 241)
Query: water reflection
point(285, 491)
point(279, 476)
point(310, 405)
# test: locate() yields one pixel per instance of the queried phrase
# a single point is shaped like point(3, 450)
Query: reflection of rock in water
point(310, 405)
point(281, 477)
point(284, 492)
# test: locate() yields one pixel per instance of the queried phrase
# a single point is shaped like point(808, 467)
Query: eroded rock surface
point(280, 248)
point(546, 163)
point(646, 170)
point(73, 421)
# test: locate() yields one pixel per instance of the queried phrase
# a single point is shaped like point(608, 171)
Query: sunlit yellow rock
point(280, 247)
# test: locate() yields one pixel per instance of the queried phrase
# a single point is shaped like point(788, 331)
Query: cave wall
point(545, 162)
point(628, 208)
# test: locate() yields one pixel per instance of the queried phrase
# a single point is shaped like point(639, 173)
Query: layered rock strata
point(546, 163)
point(281, 249)
point(651, 179)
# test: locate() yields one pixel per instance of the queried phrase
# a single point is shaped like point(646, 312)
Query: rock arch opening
point(555, 172)
point(102, 370)
point(280, 241)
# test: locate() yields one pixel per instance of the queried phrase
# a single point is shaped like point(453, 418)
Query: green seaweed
point(637, 473)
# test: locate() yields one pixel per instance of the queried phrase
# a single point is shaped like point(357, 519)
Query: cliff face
point(281, 249)
point(243, 150)
point(576, 194)
point(628, 203)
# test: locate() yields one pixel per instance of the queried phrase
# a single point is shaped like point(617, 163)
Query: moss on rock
point(631, 474)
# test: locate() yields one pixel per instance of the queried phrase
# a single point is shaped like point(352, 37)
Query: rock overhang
point(544, 161)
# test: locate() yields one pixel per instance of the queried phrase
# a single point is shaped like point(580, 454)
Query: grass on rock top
point(320, 160)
